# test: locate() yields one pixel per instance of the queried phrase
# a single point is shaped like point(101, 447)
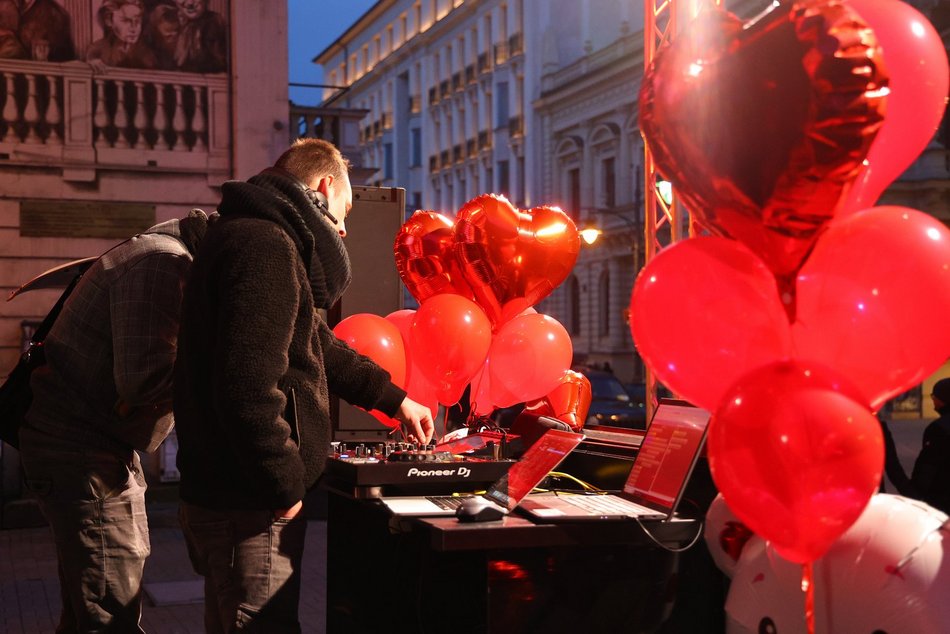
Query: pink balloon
point(449, 338)
point(917, 61)
point(704, 312)
point(874, 300)
point(529, 355)
point(382, 342)
point(795, 455)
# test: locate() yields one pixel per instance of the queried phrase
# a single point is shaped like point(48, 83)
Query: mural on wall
point(182, 35)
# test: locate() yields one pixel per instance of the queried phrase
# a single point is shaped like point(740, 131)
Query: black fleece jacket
point(256, 362)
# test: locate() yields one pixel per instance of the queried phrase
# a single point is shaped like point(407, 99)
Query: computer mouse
point(478, 509)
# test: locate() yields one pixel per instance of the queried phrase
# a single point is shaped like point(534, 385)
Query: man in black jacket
point(105, 392)
point(256, 367)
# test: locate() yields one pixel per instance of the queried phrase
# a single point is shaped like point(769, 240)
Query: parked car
point(611, 403)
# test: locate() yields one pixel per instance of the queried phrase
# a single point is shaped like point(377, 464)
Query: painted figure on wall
point(122, 45)
point(202, 41)
point(162, 35)
point(182, 35)
point(45, 32)
point(10, 45)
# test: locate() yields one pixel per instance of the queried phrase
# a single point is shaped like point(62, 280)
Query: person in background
point(104, 393)
point(253, 379)
point(930, 479)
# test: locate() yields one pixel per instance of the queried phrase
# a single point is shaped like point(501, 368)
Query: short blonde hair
point(307, 159)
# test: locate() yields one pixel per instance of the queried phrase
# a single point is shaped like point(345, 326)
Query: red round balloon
point(382, 342)
point(449, 338)
point(917, 61)
point(417, 387)
point(528, 356)
point(761, 126)
point(874, 299)
point(378, 339)
point(796, 455)
point(425, 256)
point(513, 259)
point(704, 312)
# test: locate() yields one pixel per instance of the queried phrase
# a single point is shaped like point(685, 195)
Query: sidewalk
point(29, 587)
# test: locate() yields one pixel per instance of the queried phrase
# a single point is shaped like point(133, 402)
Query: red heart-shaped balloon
point(511, 258)
point(425, 257)
point(761, 127)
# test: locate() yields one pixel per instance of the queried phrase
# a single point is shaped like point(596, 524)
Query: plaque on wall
point(80, 219)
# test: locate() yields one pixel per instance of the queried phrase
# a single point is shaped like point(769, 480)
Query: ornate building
point(536, 99)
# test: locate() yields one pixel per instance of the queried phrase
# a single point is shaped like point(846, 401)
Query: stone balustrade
point(66, 115)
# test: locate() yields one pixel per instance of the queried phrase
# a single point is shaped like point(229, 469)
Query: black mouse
point(478, 509)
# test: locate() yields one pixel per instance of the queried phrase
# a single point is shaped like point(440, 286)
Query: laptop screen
point(667, 454)
point(543, 456)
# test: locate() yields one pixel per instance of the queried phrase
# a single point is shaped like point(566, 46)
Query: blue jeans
point(252, 567)
point(94, 501)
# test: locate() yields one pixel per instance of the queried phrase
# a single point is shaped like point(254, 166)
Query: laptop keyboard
point(448, 502)
point(607, 505)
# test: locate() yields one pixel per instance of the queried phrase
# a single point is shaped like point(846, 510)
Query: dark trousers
point(252, 567)
point(94, 501)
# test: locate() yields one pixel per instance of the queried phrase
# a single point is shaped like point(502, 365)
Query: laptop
point(543, 456)
point(666, 458)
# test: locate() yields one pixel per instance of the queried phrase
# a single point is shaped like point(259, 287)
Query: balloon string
point(808, 587)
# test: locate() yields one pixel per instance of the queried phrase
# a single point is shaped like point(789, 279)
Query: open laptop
point(661, 470)
point(543, 456)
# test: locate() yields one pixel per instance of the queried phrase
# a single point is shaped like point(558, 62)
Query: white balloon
point(887, 573)
point(725, 535)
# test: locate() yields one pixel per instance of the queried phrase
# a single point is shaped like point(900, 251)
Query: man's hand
point(288, 514)
point(418, 420)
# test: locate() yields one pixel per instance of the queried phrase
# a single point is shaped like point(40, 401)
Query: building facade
point(537, 100)
point(99, 140)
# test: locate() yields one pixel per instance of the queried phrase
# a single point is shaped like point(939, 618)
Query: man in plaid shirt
point(104, 393)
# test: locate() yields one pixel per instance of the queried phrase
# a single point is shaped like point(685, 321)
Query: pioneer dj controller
point(411, 466)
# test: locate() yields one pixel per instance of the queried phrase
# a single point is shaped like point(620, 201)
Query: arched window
point(603, 304)
point(574, 308)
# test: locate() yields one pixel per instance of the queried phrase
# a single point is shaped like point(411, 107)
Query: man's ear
point(324, 184)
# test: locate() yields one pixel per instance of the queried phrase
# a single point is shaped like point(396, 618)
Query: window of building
point(416, 202)
point(501, 104)
point(603, 303)
point(403, 29)
point(522, 192)
point(504, 178)
point(416, 18)
point(574, 306)
point(388, 161)
point(415, 147)
point(574, 193)
point(610, 182)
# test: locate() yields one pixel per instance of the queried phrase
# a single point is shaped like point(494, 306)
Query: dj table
point(389, 573)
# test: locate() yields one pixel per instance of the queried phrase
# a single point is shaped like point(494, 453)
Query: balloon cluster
point(804, 311)
point(476, 279)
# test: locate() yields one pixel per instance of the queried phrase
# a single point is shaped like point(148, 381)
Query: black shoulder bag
point(15, 394)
